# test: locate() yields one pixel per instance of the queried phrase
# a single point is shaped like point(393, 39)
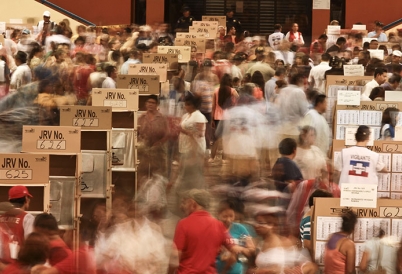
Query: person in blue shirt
point(378, 33)
point(239, 235)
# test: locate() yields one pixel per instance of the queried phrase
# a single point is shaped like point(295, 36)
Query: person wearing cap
point(20, 224)
point(358, 164)
point(395, 58)
point(232, 21)
point(44, 27)
point(276, 38)
point(198, 237)
point(184, 22)
point(378, 33)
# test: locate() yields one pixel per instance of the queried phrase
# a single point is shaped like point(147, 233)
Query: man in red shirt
point(198, 237)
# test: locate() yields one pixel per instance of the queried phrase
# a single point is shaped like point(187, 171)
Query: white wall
point(30, 12)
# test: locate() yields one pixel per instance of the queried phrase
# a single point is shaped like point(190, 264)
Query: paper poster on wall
point(353, 70)
point(348, 97)
point(321, 4)
point(2, 27)
point(333, 30)
point(359, 195)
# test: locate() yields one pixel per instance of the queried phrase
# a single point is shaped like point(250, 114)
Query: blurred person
point(110, 81)
point(102, 50)
point(78, 46)
point(276, 38)
point(81, 73)
point(191, 146)
point(318, 46)
point(358, 164)
point(377, 94)
point(378, 33)
point(81, 31)
point(388, 123)
point(232, 21)
point(25, 42)
point(261, 65)
point(285, 172)
point(224, 98)
point(392, 83)
point(133, 58)
point(259, 82)
point(340, 250)
point(380, 77)
point(44, 28)
point(373, 44)
point(316, 77)
point(338, 47)
point(315, 118)
point(144, 36)
point(293, 105)
point(269, 88)
point(305, 223)
point(284, 53)
point(153, 133)
point(309, 158)
point(294, 36)
point(238, 236)
point(35, 251)
point(184, 22)
point(395, 58)
point(336, 65)
point(97, 77)
point(279, 64)
point(35, 57)
point(198, 236)
point(22, 75)
point(57, 38)
point(4, 77)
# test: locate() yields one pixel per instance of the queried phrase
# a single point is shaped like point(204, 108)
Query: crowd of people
point(252, 104)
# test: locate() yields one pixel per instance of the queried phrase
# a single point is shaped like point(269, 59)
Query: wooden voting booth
point(326, 219)
point(63, 144)
point(124, 103)
point(96, 127)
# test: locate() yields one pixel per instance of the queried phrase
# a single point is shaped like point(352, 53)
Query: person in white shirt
point(378, 33)
point(276, 38)
point(294, 36)
point(316, 78)
point(358, 164)
point(380, 77)
point(315, 118)
point(133, 59)
point(110, 80)
point(270, 85)
point(22, 75)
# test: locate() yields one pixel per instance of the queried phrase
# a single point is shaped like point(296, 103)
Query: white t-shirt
point(193, 142)
point(359, 165)
point(109, 83)
point(317, 120)
point(21, 76)
point(369, 87)
point(275, 39)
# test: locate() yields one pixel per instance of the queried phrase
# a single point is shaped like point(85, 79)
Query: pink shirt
point(218, 114)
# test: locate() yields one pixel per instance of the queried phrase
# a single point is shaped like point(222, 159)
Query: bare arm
point(350, 257)
point(364, 261)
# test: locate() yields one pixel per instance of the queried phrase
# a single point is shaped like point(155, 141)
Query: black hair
point(277, 26)
point(258, 79)
point(318, 193)
point(326, 57)
point(323, 36)
point(377, 92)
point(109, 70)
point(18, 201)
point(395, 78)
point(194, 100)
point(319, 98)
point(362, 134)
point(380, 70)
point(47, 222)
point(153, 97)
point(295, 78)
point(387, 117)
point(79, 39)
point(224, 92)
point(287, 146)
point(349, 220)
point(35, 250)
point(280, 71)
point(21, 56)
point(341, 40)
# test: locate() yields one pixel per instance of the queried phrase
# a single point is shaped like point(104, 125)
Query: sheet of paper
point(330, 108)
point(396, 196)
point(398, 133)
point(321, 4)
point(333, 90)
point(384, 181)
point(359, 195)
point(383, 195)
point(2, 27)
point(348, 97)
point(367, 228)
point(340, 132)
point(337, 155)
point(347, 117)
point(333, 30)
point(396, 162)
point(319, 252)
point(376, 53)
point(359, 27)
point(396, 230)
point(353, 70)
point(396, 179)
point(359, 253)
point(370, 118)
point(326, 226)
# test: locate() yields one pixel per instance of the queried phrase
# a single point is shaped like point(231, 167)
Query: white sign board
point(333, 30)
point(149, 69)
point(359, 195)
point(376, 53)
point(183, 52)
point(393, 95)
point(321, 4)
point(349, 97)
point(359, 27)
point(353, 70)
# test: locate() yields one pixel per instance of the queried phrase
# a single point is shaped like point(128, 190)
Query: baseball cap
point(18, 192)
point(200, 196)
point(46, 14)
point(397, 53)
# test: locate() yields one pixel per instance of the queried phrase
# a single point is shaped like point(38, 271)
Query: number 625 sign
point(24, 168)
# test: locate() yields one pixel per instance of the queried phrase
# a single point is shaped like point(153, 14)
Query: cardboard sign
point(189, 35)
point(210, 32)
point(376, 53)
point(149, 69)
point(203, 24)
point(353, 70)
point(393, 95)
point(196, 44)
point(359, 195)
point(118, 99)
point(145, 84)
point(398, 133)
point(220, 19)
point(23, 168)
point(51, 140)
point(86, 117)
point(349, 97)
point(183, 53)
point(334, 30)
point(161, 58)
point(359, 27)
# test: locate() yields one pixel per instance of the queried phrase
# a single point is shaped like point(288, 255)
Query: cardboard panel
point(94, 140)
point(149, 69)
point(123, 119)
point(51, 139)
point(24, 168)
point(210, 32)
point(118, 99)
point(183, 52)
point(161, 58)
point(144, 84)
point(187, 35)
point(196, 44)
point(220, 19)
point(86, 117)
